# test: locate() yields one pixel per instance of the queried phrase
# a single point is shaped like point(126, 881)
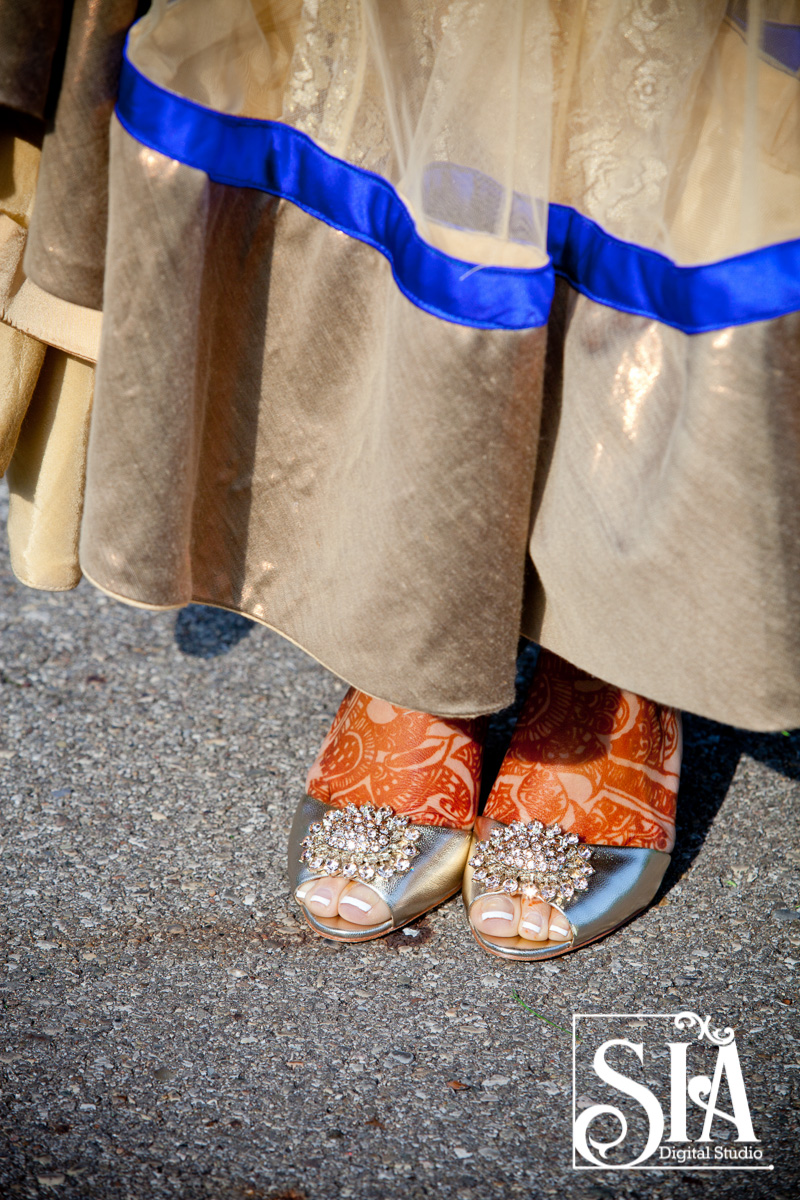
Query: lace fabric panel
point(674, 127)
point(331, 81)
point(626, 71)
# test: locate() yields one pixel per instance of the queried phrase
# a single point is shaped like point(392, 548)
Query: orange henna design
point(428, 768)
point(601, 762)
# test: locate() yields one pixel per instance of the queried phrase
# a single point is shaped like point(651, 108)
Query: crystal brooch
point(537, 862)
point(361, 842)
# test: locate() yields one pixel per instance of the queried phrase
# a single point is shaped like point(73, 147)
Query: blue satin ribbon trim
point(734, 291)
point(280, 160)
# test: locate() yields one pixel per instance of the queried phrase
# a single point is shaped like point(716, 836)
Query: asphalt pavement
point(170, 1028)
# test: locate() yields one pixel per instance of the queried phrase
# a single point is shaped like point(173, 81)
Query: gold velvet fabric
point(46, 474)
point(30, 31)
point(21, 359)
point(67, 244)
point(45, 403)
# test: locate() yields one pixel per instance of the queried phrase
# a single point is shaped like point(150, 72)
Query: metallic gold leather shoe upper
point(411, 867)
point(595, 887)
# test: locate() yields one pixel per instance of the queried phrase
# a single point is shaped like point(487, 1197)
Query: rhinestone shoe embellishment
point(533, 861)
point(361, 842)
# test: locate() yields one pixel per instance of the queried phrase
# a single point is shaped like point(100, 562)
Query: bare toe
point(559, 927)
point(496, 915)
point(361, 905)
point(534, 922)
point(321, 896)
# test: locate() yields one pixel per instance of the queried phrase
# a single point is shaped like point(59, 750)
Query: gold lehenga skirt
point(339, 387)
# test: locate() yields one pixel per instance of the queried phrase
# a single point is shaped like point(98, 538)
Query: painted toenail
point(533, 925)
point(497, 914)
point(322, 896)
point(559, 928)
point(301, 893)
point(354, 900)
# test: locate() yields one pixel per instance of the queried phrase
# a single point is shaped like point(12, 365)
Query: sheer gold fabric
point(669, 125)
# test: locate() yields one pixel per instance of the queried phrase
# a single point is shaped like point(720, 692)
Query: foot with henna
point(599, 762)
point(423, 767)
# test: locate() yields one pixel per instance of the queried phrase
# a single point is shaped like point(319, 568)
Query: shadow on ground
point(204, 632)
point(711, 755)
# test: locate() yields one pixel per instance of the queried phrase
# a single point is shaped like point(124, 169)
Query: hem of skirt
point(43, 587)
point(40, 314)
point(242, 612)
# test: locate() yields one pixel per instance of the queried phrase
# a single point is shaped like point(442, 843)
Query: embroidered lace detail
point(627, 102)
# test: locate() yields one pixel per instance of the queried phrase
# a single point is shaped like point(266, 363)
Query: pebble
point(51, 1180)
point(784, 915)
point(164, 1074)
point(401, 1056)
point(177, 929)
point(495, 1081)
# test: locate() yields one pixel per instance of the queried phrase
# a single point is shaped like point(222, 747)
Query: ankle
point(425, 767)
point(599, 761)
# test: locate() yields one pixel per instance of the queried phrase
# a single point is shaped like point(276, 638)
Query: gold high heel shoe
point(596, 888)
point(412, 868)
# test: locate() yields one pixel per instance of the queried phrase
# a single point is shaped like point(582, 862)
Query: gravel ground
point(170, 1028)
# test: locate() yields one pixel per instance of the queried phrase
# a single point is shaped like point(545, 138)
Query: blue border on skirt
point(275, 158)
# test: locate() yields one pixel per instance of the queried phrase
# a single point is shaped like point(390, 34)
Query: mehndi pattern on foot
point(389, 771)
point(591, 762)
point(601, 762)
point(426, 767)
